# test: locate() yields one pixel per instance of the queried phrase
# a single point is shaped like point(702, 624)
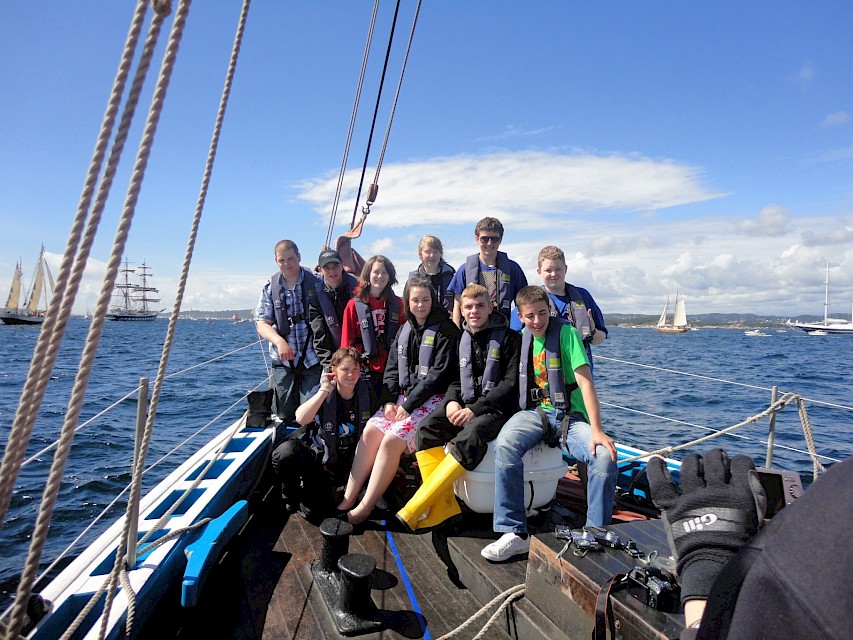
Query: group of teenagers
point(465, 357)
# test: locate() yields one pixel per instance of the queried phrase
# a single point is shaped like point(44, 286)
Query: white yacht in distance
point(829, 325)
point(679, 318)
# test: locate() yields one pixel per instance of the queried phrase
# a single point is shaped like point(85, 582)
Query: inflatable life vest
point(368, 331)
point(330, 420)
point(491, 371)
point(405, 378)
point(529, 394)
point(284, 320)
point(574, 311)
point(327, 305)
point(503, 281)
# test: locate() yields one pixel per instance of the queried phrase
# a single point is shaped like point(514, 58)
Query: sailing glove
point(714, 512)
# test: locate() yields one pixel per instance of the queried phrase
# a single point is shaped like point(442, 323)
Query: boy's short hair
point(530, 295)
point(343, 353)
point(489, 224)
point(474, 290)
point(551, 253)
point(285, 245)
point(431, 242)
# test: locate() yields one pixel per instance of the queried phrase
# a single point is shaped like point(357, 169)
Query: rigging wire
point(353, 115)
point(375, 111)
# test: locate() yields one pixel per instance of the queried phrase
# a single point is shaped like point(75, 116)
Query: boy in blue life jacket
point(559, 406)
point(475, 407)
point(574, 305)
point(502, 277)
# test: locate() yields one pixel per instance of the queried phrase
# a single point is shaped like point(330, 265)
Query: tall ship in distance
point(678, 323)
point(134, 295)
point(33, 311)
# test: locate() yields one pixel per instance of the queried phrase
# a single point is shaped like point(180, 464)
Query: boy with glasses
point(502, 277)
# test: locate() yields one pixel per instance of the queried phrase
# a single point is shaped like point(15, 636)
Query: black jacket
point(503, 399)
point(444, 368)
point(324, 345)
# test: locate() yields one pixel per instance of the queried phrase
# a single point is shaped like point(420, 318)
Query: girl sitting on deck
point(422, 362)
point(373, 316)
point(313, 463)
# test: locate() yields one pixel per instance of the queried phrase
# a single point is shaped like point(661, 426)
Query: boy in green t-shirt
point(558, 405)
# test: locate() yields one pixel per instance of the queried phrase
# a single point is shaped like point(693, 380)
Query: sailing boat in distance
point(679, 318)
point(42, 287)
point(134, 297)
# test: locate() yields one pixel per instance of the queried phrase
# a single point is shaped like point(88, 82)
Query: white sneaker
point(506, 547)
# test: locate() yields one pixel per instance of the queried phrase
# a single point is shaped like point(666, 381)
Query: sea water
point(644, 404)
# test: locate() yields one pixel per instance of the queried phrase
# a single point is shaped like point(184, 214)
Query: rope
point(48, 345)
point(375, 111)
point(507, 597)
point(353, 115)
point(807, 433)
point(777, 406)
point(397, 94)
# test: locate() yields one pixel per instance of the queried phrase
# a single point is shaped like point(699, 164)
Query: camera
point(585, 540)
point(655, 587)
point(608, 539)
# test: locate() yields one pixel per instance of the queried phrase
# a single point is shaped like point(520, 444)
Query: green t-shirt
point(572, 356)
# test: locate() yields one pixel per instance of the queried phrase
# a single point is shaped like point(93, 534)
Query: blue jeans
point(522, 432)
point(289, 394)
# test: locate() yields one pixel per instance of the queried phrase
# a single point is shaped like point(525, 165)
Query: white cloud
point(835, 119)
point(804, 76)
point(772, 220)
point(525, 189)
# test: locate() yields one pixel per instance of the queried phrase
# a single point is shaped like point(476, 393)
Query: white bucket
point(543, 467)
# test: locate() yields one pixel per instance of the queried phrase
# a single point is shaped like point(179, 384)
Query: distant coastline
point(625, 320)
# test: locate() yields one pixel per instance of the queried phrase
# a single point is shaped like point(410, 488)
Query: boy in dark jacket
point(474, 409)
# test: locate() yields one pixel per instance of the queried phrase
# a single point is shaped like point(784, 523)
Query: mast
point(126, 287)
point(143, 288)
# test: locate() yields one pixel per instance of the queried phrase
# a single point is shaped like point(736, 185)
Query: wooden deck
point(424, 585)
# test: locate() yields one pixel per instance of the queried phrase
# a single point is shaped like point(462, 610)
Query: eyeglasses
point(489, 239)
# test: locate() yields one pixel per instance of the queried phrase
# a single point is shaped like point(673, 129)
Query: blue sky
point(699, 147)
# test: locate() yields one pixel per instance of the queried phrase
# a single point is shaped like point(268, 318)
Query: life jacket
point(574, 311)
point(327, 305)
point(503, 278)
point(405, 378)
point(330, 421)
point(284, 320)
point(491, 371)
point(529, 394)
point(445, 275)
point(368, 331)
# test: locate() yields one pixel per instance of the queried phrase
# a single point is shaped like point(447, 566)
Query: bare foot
point(359, 514)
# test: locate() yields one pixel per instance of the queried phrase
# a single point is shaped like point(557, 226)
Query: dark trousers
point(469, 442)
point(292, 389)
point(304, 478)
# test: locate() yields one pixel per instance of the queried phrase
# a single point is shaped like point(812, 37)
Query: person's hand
point(327, 381)
point(451, 409)
point(600, 438)
point(390, 411)
point(284, 351)
point(461, 417)
point(401, 414)
point(713, 513)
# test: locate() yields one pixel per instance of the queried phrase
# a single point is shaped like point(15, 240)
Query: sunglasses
point(490, 239)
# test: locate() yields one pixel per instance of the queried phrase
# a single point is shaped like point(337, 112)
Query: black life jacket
point(368, 331)
point(405, 378)
point(502, 275)
point(330, 420)
point(558, 393)
point(445, 275)
point(574, 311)
point(327, 305)
point(284, 320)
point(491, 371)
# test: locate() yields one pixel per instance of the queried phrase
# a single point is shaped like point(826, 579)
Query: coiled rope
point(506, 598)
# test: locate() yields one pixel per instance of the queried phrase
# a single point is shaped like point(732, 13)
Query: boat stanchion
point(343, 579)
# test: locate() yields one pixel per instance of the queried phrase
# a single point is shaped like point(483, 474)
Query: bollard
point(354, 596)
point(336, 535)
